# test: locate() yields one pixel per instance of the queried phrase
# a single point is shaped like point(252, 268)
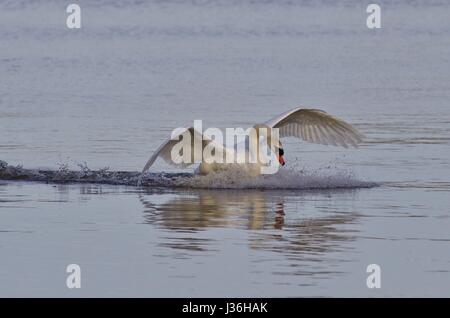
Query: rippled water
point(106, 96)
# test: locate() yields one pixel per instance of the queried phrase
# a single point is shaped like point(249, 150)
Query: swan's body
point(311, 125)
point(241, 157)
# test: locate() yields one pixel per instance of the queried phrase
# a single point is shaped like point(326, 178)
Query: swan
point(311, 125)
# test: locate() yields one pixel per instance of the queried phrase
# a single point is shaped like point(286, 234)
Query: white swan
point(312, 125)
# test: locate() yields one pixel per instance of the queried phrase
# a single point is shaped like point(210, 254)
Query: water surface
point(109, 93)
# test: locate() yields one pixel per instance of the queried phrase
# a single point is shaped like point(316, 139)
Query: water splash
point(324, 178)
point(229, 179)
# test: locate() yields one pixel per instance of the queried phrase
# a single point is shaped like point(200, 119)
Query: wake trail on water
point(229, 179)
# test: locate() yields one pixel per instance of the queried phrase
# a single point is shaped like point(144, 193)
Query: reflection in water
point(279, 222)
point(279, 217)
point(307, 238)
point(214, 208)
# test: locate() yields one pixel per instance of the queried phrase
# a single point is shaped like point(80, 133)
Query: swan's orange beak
point(281, 160)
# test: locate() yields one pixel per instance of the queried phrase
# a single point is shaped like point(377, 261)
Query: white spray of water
point(237, 177)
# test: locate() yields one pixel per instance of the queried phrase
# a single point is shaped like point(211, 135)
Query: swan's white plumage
point(311, 125)
point(165, 149)
point(316, 126)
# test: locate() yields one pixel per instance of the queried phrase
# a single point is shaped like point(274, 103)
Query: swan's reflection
point(209, 208)
point(276, 220)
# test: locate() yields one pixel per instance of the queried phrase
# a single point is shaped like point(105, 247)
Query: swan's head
point(280, 156)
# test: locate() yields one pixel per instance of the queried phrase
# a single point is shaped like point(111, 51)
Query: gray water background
point(109, 93)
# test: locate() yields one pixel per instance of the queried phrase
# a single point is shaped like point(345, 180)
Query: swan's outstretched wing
point(165, 150)
point(316, 126)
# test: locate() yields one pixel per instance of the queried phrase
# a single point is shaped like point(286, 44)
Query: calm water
point(109, 93)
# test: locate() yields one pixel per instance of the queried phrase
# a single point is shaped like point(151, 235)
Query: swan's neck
point(260, 143)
